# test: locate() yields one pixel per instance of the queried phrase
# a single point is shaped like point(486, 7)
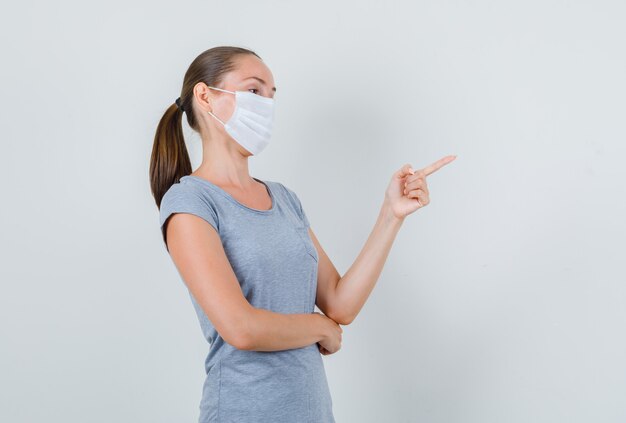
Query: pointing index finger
point(438, 164)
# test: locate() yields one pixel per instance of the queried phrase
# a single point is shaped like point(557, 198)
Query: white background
point(503, 300)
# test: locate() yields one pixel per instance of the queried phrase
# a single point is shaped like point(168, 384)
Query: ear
point(203, 96)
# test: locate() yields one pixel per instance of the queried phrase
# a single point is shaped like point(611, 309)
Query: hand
point(332, 342)
point(408, 191)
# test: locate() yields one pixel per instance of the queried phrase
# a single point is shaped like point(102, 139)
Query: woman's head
point(228, 68)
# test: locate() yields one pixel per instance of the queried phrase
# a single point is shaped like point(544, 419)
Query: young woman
point(246, 252)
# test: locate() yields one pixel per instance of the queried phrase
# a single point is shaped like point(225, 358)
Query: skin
point(198, 254)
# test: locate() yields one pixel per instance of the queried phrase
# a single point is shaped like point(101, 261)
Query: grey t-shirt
point(275, 262)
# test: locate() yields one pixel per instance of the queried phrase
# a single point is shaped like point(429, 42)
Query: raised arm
point(199, 256)
point(341, 298)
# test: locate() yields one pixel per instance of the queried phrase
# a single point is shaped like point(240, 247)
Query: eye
point(253, 89)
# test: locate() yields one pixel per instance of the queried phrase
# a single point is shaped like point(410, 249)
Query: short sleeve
point(298, 205)
point(302, 213)
point(183, 199)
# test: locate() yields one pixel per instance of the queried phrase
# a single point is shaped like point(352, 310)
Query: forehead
point(250, 66)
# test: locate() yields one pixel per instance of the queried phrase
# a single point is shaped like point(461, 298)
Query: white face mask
point(252, 120)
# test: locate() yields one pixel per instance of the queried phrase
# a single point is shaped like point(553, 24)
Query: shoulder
point(183, 197)
point(179, 194)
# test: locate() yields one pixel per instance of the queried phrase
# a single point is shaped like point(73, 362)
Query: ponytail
point(170, 159)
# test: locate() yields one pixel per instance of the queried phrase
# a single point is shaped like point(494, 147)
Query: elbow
point(345, 321)
point(341, 317)
point(241, 342)
point(241, 336)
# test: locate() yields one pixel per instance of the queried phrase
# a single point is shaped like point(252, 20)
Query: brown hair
point(170, 160)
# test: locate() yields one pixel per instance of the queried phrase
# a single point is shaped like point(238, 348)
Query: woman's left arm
point(341, 298)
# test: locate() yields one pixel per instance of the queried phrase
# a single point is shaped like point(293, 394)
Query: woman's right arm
point(199, 256)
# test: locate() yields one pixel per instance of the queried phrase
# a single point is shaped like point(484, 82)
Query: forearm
point(357, 283)
point(270, 331)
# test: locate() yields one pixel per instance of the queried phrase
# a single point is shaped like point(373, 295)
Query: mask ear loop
point(217, 118)
point(219, 89)
point(226, 91)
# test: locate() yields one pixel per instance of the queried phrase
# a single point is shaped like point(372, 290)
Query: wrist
point(388, 216)
point(320, 326)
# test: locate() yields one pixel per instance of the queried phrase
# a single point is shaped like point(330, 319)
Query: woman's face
point(251, 75)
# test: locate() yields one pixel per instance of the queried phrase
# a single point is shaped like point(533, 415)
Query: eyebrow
point(260, 80)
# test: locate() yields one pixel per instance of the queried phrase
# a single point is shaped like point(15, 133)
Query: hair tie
point(178, 103)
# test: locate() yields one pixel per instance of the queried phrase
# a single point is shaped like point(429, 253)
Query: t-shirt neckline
point(219, 190)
